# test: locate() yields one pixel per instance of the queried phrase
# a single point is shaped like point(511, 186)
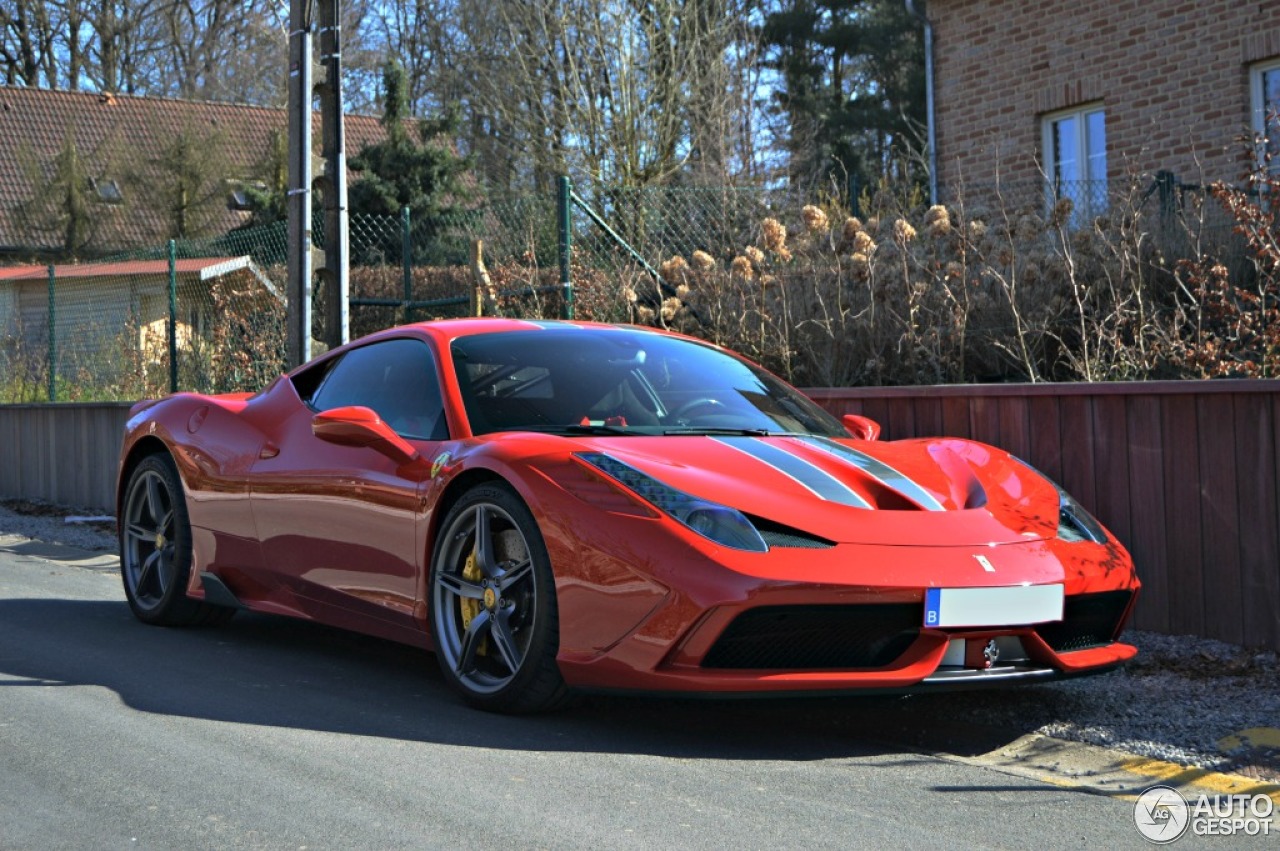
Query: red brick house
point(1079, 94)
point(118, 134)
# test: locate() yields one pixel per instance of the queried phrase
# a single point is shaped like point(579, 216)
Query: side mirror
point(360, 426)
point(860, 427)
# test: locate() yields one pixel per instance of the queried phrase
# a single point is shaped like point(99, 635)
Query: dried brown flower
point(903, 232)
point(860, 266)
point(815, 219)
point(670, 307)
point(1061, 212)
point(774, 234)
point(937, 221)
point(674, 269)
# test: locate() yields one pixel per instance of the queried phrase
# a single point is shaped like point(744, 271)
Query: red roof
point(117, 133)
point(205, 267)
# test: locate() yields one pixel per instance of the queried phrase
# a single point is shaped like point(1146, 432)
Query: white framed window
point(1264, 101)
point(1075, 157)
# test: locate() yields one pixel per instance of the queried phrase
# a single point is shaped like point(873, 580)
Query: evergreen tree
point(62, 199)
point(187, 181)
point(422, 173)
point(268, 203)
point(852, 89)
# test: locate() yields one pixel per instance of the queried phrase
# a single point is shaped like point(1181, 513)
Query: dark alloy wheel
point(493, 604)
point(155, 549)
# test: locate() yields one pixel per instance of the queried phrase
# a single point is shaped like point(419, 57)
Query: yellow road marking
point(1182, 775)
point(1254, 737)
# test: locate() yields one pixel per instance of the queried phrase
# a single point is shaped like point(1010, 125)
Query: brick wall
point(1173, 76)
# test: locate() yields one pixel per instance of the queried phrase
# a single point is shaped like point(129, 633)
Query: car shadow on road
point(280, 672)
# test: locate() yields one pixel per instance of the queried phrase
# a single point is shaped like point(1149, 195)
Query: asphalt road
point(271, 733)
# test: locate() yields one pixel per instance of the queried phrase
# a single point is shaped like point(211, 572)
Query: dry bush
point(1231, 312)
point(921, 295)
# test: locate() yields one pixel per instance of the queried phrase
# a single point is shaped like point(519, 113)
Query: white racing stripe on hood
point(878, 470)
point(813, 479)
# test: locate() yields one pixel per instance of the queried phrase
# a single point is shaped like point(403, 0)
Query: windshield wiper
point(718, 430)
point(577, 428)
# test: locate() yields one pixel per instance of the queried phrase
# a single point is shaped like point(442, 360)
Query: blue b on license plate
point(1015, 605)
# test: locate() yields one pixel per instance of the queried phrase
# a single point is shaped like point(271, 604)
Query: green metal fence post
point(53, 338)
point(406, 247)
point(173, 316)
point(566, 242)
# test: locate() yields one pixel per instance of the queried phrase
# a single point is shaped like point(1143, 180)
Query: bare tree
point(628, 92)
point(28, 33)
point(218, 50)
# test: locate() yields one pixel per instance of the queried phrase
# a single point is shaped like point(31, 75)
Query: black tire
point(493, 614)
point(155, 549)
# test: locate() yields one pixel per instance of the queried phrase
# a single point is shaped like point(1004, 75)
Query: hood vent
point(777, 535)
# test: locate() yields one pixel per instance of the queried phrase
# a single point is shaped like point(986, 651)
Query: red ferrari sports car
point(557, 506)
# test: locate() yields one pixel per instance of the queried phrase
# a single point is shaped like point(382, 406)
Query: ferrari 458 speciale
point(553, 507)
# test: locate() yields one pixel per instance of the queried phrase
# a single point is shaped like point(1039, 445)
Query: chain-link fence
point(746, 267)
point(209, 315)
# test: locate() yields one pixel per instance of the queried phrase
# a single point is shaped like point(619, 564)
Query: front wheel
point(155, 549)
point(494, 620)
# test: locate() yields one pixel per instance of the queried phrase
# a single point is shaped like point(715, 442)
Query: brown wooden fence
point(1184, 473)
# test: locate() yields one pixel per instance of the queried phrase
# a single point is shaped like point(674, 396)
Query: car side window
point(397, 379)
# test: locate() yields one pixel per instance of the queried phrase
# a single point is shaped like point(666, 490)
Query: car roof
point(445, 331)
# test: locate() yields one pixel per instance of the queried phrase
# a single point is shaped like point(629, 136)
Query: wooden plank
point(1045, 450)
point(1219, 516)
point(903, 415)
point(1259, 503)
point(1147, 541)
point(1111, 464)
point(928, 417)
point(984, 420)
point(1013, 414)
point(1231, 386)
point(1076, 427)
point(878, 410)
point(1183, 529)
point(955, 417)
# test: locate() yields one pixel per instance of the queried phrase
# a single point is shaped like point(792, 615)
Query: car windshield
point(605, 380)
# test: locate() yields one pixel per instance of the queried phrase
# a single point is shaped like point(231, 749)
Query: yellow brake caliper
point(470, 608)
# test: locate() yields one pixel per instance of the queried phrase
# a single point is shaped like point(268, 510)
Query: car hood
point(937, 491)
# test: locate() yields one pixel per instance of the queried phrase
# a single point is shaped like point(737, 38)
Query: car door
point(338, 523)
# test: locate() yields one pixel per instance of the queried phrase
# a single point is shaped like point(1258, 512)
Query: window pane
point(1066, 156)
point(396, 379)
point(1270, 106)
point(1095, 128)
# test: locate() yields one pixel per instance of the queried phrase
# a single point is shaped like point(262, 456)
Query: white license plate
point(1010, 606)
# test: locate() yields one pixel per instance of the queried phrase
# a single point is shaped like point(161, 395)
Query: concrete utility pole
point(306, 82)
point(334, 271)
point(299, 206)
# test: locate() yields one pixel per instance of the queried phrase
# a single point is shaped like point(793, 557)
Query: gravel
point(1177, 701)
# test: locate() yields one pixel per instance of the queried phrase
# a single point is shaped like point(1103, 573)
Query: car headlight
point(1074, 523)
point(713, 521)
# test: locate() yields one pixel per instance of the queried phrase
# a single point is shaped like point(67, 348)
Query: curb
point(1106, 772)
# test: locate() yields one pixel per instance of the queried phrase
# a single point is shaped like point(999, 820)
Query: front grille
point(817, 637)
point(1088, 620)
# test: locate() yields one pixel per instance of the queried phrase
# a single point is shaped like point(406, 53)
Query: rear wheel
point(494, 620)
point(155, 549)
